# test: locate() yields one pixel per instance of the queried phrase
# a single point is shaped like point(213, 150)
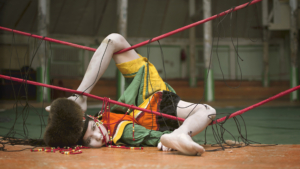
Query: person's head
point(65, 124)
point(95, 135)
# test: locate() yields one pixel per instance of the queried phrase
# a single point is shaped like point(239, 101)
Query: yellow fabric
point(148, 120)
point(151, 82)
point(131, 67)
point(151, 85)
point(144, 119)
point(119, 131)
point(143, 105)
point(117, 123)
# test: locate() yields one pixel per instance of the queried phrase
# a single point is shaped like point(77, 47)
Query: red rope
point(258, 104)
point(89, 95)
point(48, 39)
point(189, 26)
point(145, 110)
point(142, 43)
point(136, 46)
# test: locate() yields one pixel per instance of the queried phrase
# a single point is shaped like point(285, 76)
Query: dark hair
point(64, 123)
point(85, 126)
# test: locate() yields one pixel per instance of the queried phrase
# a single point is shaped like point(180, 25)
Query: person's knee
point(204, 109)
point(116, 39)
point(211, 112)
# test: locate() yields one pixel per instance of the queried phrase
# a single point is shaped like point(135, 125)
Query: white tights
point(196, 115)
point(99, 63)
point(199, 117)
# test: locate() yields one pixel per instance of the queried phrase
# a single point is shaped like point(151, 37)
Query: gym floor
point(275, 126)
point(280, 156)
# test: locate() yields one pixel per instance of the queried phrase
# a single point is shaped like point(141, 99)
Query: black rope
point(10, 137)
point(218, 129)
point(98, 70)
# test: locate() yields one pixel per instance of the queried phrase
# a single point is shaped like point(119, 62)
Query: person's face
point(93, 137)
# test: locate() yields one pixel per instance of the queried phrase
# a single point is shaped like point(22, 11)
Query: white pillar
point(207, 47)
point(122, 6)
point(294, 49)
point(42, 55)
point(192, 38)
point(232, 61)
point(266, 80)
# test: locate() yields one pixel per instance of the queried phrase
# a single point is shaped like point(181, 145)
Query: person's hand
point(163, 148)
point(79, 99)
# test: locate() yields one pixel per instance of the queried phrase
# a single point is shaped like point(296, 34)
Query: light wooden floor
point(280, 156)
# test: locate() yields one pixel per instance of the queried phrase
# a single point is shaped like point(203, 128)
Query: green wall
point(251, 66)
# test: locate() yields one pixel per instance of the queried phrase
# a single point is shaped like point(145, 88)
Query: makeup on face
point(93, 136)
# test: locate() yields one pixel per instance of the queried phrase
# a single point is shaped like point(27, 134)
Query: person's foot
point(182, 143)
point(79, 99)
point(163, 148)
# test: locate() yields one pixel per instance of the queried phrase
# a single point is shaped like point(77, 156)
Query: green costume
point(142, 81)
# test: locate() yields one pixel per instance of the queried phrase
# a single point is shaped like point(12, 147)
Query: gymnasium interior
point(234, 55)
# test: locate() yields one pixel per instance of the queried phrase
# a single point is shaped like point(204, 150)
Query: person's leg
point(197, 117)
point(99, 63)
point(111, 44)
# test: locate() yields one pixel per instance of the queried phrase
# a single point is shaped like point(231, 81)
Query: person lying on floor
point(145, 89)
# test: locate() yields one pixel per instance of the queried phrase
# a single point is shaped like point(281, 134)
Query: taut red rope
point(89, 95)
point(139, 44)
point(136, 46)
point(188, 26)
point(258, 104)
point(48, 39)
point(145, 110)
